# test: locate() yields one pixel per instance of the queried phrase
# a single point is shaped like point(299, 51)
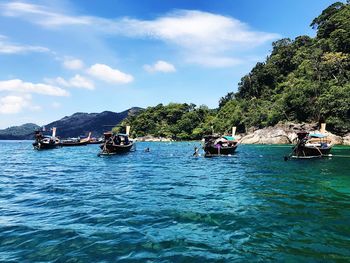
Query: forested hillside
point(177, 121)
point(23, 132)
point(302, 80)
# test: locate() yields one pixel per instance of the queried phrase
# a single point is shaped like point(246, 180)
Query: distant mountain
point(72, 126)
point(23, 132)
point(82, 123)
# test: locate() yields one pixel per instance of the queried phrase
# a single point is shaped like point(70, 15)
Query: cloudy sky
point(59, 57)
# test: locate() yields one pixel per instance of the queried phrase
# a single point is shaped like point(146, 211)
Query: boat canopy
point(318, 135)
point(122, 134)
point(229, 138)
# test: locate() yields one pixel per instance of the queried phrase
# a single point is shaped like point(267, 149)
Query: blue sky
point(59, 57)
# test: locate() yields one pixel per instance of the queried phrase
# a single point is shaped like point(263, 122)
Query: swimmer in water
point(196, 150)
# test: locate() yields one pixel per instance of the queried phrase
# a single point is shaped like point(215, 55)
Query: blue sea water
point(68, 205)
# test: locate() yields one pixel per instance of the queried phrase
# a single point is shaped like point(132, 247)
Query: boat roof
point(317, 135)
point(216, 136)
point(122, 134)
point(229, 138)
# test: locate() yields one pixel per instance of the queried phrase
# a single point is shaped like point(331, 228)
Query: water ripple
point(166, 206)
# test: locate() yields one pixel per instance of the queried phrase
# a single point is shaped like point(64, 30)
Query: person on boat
point(116, 140)
point(218, 144)
point(126, 140)
point(38, 135)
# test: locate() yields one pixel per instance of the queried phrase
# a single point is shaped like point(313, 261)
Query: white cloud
point(36, 13)
point(77, 81)
point(81, 82)
point(160, 66)
point(17, 85)
point(12, 104)
point(15, 104)
point(190, 28)
point(202, 38)
point(205, 38)
point(11, 48)
point(108, 74)
point(73, 64)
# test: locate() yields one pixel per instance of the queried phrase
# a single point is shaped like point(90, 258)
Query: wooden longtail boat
point(216, 145)
point(73, 142)
point(116, 144)
point(43, 142)
point(96, 141)
point(312, 145)
point(92, 140)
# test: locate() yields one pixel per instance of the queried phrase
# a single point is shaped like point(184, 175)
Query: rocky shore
point(150, 138)
point(282, 133)
point(285, 133)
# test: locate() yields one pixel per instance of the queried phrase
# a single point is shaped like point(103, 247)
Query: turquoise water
point(166, 206)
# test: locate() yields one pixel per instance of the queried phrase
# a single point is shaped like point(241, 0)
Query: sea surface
point(69, 205)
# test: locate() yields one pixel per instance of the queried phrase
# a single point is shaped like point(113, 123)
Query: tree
point(223, 100)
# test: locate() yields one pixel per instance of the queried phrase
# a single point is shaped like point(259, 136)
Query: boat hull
point(214, 151)
point(311, 151)
point(73, 144)
point(110, 149)
point(96, 142)
point(45, 146)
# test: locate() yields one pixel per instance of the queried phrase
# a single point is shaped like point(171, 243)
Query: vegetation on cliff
point(23, 132)
point(177, 121)
point(303, 80)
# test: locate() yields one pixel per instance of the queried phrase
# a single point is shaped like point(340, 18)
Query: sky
point(58, 57)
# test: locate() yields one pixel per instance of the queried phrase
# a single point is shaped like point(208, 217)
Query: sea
point(165, 205)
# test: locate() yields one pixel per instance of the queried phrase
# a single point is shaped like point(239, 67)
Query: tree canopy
point(305, 79)
point(302, 80)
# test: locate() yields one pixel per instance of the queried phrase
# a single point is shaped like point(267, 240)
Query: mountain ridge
point(77, 124)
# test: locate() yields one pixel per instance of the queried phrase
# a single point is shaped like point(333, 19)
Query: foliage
point(176, 121)
point(303, 80)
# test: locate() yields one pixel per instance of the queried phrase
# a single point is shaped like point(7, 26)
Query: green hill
point(303, 80)
point(23, 132)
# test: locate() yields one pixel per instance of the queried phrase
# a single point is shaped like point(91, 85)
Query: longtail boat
point(92, 140)
point(218, 145)
point(73, 142)
point(116, 143)
point(312, 145)
point(43, 142)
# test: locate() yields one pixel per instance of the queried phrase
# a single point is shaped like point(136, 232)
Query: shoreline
point(282, 133)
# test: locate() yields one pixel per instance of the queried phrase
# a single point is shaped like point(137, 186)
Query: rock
point(346, 139)
point(335, 138)
point(149, 138)
point(286, 133)
point(269, 135)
